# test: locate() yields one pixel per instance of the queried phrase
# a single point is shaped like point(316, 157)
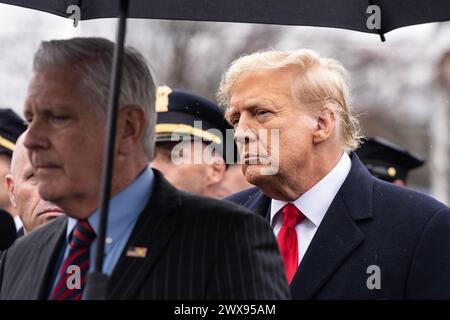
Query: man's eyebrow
point(248, 104)
point(229, 112)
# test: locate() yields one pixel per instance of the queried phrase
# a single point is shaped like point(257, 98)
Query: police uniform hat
point(386, 160)
point(177, 112)
point(11, 127)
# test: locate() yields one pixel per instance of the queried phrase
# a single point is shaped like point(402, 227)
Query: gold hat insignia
point(162, 98)
point(392, 172)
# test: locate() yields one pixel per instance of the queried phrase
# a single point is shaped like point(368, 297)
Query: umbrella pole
point(97, 281)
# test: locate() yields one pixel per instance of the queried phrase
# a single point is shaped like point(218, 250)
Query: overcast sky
point(21, 30)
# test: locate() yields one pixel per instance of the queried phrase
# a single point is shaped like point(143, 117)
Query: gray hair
point(92, 58)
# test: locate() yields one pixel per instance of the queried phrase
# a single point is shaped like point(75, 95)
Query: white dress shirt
point(18, 222)
point(313, 204)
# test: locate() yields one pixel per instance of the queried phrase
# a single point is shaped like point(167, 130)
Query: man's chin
point(52, 194)
point(259, 175)
point(48, 195)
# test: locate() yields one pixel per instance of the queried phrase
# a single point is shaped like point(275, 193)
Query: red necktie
point(287, 239)
point(82, 237)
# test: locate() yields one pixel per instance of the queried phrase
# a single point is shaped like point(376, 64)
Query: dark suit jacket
point(371, 222)
point(198, 248)
point(20, 233)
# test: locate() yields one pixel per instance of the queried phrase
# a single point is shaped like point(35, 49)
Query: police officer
point(11, 127)
point(194, 143)
point(388, 161)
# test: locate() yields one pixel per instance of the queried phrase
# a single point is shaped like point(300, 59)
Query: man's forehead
point(260, 87)
point(53, 81)
point(48, 93)
point(46, 108)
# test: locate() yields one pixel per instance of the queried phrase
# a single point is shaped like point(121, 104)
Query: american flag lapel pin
point(137, 252)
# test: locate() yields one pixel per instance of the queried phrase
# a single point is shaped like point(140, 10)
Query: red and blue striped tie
point(72, 275)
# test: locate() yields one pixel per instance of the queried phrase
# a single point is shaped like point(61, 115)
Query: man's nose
point(244, 131)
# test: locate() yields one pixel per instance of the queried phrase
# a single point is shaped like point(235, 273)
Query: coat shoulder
point(37, 237)
point(210, 206)
point(242, 196)
point(411, 203)
point(218, 214)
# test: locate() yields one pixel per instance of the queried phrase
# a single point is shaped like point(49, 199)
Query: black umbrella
point(347, 14)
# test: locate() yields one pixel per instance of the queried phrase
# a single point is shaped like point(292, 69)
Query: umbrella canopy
point(346, 14)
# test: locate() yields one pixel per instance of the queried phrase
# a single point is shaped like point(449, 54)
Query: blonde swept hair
point(322, 83)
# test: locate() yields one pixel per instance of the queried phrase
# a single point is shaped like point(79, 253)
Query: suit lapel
point(48, 253)
point(338, 234)
point(337, 237)
point(153, 230)
point(259, 203)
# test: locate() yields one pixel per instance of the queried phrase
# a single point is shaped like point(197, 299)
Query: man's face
point(4, 170)
point(22, 184)
point(260, 103)
point(180, 168)
point(64, 141)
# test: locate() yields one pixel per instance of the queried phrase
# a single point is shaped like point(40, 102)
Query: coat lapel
point(338, 234)
point(335, 240)
point(259, 203)
point(153, 230)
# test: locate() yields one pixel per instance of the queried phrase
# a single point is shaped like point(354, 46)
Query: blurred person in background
point(387, 161)
point(11, 127)
point(191, 147)
point(24, 194)
point(234, 180)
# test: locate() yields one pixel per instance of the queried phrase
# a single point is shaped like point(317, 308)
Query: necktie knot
point(291, 215)
point(82, 235)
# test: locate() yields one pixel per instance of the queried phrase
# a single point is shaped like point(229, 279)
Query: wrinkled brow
point(229, 112)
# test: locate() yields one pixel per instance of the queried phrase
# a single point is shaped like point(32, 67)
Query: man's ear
point(325, 125)
point(10, 186)
point(131, 126)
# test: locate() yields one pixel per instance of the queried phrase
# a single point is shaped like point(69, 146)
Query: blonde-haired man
point(343, 234)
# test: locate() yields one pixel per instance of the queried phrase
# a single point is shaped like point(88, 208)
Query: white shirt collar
point(18, 222)
point(315, 202)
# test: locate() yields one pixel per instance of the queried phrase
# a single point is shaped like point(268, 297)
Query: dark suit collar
point(20, 233)
point(49, 250)
point(153, 230)
point(338, 234)
point(259, 203)
point(357, 190)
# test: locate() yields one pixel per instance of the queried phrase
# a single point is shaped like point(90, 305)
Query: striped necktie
point(72, 275)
